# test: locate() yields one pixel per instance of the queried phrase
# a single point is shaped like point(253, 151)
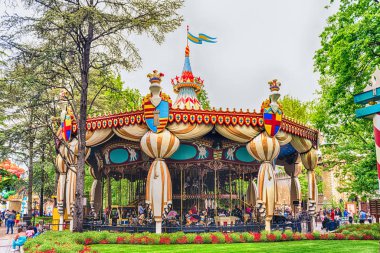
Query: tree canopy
point(349, 54)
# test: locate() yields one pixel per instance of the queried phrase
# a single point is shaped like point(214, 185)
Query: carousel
point(177, 155)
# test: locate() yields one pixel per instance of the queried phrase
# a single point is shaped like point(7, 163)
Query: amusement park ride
point(177, 155)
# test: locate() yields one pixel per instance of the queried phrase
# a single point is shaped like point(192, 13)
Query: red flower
point(120, 240)
point(309, 236)
point(297, 237)
point(214, 239)
point(198, 239)
point(182, 240)
point(284, 237)
point(324, 236)
point(339, 236)
point(368, 237)
point(228, 238)
point(87, 241)
point(164, 240)
point(256, 237)
point(271, 237)
point(351, 237)
point(104, 241)
point(85, 249)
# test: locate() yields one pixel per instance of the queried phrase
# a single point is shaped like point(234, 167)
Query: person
point(345, 213)
point(362, 216)
point(6, 215)
point(350, 218)
point(17, 218)
point(194, 209)
point(19, 239)
point(11, 222)
point(332, 215)
point(141, 209)
point(30, 232)
point(369, 218)
point(237, 212)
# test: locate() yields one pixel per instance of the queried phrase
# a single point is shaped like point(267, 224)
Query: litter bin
point(27, 219)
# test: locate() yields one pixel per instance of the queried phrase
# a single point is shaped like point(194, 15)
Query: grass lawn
point(274, 247)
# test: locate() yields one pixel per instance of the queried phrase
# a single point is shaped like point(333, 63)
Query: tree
point(294, 108)
point(77, 37)
point(203, 99)
point(349, 54)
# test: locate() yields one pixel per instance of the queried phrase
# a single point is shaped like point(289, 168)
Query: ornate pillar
point(265, 149)
point(309, 159)
point(293, 170)
point(62, 168)
point(159, 186)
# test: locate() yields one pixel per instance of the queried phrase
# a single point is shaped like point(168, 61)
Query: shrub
point(182, 240)
point(221, 237)
point(289, 234)
point(278, 235)
point(206, 238)
point(88, 241)
point(263, 236)
point(191, 238)
point(175, 236)
point(324, 237)
point(104, 241)
point(316, 234)
point(331, 236)
point(247, 237)
point(309, 236)
point(120, 240)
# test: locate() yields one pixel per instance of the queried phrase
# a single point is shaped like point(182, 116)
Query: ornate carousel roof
point(187, 110)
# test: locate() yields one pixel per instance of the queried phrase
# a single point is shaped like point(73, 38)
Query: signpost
point(371, 99)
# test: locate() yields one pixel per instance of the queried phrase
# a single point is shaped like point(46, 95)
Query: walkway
point(5, 240)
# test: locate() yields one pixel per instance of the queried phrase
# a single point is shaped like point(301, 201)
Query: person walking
point(362, 216)
point(11, 222)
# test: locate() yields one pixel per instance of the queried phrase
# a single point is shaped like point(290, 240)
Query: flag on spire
point(201, 37)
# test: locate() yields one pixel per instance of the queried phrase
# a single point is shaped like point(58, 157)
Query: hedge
point(62, 242)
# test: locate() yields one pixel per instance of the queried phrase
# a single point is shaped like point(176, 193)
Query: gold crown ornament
point(274, 85)
point(155, 77)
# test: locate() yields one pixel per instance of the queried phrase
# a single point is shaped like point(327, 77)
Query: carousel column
point(159, 186)
point(293, 171)
point(265, 149)
point(309, 160)
point(62, 168)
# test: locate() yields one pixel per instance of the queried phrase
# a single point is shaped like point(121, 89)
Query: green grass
point(275, 247)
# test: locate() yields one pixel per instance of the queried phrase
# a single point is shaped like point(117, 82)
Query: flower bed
point(81, 242)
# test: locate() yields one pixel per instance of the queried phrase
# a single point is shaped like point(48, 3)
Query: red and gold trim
point(214, 117)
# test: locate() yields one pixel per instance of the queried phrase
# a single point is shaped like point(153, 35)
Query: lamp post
point(34, 213)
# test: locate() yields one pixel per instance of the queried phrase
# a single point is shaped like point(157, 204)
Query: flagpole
point(187, 40)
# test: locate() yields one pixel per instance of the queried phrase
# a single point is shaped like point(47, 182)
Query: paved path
point(5, 240)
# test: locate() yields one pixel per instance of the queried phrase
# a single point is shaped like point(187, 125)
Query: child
point(30, 232)
point(17, 218)
point(19, 239)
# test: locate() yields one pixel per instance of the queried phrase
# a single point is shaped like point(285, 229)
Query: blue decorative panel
point(286, 150)
point(184, 152)
point(119, 155)
point(243, 155)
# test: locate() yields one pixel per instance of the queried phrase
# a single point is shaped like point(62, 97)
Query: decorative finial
point(187, 51)
point(155, 77)
point(274, 85)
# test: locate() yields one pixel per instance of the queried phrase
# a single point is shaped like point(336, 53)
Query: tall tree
point(349, 54)
point(77, 37)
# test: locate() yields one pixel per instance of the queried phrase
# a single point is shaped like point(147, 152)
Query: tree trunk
point(81, 122)
point(42, 183)
point(30, 176)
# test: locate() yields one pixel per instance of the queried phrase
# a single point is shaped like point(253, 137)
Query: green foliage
point(349, 54)
point(295, 108)
point(204, 100)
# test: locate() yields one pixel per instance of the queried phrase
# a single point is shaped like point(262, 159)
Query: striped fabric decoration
point(283, 138)
point(309, 159)
point(300, 144)
point(158, 188)
point(131, 132)
point(159, 145)
point(263, 147)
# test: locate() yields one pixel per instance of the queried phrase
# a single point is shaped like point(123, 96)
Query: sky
point(257, 41)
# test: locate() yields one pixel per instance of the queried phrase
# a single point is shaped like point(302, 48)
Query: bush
point(316, 235)
point(221, 237)
point(206, 238)
point(289, 235)
point(248, 237)
point(198, 239)
point(164, 240)
point(278, 235)
point(264, 236)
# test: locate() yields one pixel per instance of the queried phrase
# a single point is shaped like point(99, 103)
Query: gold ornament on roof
point(274, 85)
